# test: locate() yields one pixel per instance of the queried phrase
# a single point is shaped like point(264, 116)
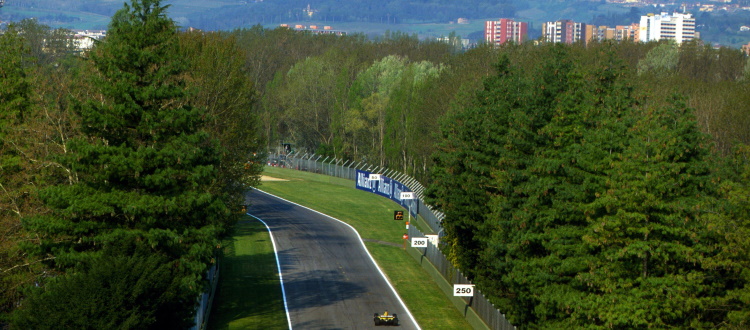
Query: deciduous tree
point(220, 83)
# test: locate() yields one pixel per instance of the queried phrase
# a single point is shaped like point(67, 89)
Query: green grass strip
point(372, 216)
point(249, 293)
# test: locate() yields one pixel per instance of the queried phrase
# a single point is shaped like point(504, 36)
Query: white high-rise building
point(564, 31)
point(677, 27)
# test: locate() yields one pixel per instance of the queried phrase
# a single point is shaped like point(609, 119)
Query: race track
point(329, 279)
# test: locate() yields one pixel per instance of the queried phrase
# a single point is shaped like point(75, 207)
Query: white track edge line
point(363, 246)
point(278, 268)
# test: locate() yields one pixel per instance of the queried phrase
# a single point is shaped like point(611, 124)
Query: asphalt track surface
point(329, 279)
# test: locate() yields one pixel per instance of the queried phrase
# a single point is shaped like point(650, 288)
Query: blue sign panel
point(387, 187)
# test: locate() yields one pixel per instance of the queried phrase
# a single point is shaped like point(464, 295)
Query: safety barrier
point(206, 299)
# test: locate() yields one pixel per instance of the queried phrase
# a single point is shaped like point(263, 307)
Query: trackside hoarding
point(387, 187)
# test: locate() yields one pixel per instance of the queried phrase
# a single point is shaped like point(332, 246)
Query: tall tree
point(648, 227)
point(312, 98)
point(579, 205)
point(142, 173)
point(15, 94)
point(45, 45)
point(498, 131)
point(370, 97)
point(133, 298)
point(734, 225)
point(41, 129)
point(222, 86)
point(408, 121)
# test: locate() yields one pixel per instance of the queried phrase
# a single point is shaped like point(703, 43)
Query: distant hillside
point(427, 18)
point(230, 14)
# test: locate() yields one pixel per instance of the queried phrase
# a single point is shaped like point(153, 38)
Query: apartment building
point(565, 31)
point(505, 30)
point(677, 27)
point(619, 33)
point(83, 40)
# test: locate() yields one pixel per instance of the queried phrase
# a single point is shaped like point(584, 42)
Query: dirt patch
point(268, 178)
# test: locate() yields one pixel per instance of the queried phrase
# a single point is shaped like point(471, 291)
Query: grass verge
point(372, 216)
point(249, 294)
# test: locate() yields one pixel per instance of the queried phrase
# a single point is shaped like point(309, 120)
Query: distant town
point(727, 5)
point(652, 27)
point(679, 26)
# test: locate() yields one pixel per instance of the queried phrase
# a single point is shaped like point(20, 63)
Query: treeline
point(121, 170)
point(380, 101)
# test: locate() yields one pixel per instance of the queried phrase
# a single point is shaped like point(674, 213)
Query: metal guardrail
point(489, 314)
point(486, 311)
point(206, 299)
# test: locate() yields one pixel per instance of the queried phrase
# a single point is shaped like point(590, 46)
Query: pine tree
point(734, 224)
point(120, 292)
point(648, 229)
point(573, 204)
point(15, 92)
point(486, 147)
point(536, 251)
point(142, 174)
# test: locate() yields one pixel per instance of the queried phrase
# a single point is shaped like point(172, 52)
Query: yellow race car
point(386, 319)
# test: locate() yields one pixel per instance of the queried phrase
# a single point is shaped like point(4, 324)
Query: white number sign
point(375, 177)
point(419, 242)
point(463, 290)
point(433, 239)
point(407, 195)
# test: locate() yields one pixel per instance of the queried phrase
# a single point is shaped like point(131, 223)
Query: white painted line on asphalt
point(360, 242)
point(278, 268)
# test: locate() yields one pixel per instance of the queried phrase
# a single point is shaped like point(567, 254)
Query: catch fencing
point(348, 170)
point(486, 311)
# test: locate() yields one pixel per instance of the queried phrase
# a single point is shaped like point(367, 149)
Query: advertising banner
point(387, 187)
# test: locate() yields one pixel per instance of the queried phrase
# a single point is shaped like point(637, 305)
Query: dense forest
point(599, 186)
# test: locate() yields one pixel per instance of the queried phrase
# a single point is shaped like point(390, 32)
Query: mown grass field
point(249, 294)
point(372, 216)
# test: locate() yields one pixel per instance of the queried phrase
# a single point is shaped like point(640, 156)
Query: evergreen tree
point(536, 248)
point(733, 224)
point(118, 292)
point(498, 131)
point(14, 88)
point(15, 92)
point(142, 175)
point(573, 204)
point(655, 264)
